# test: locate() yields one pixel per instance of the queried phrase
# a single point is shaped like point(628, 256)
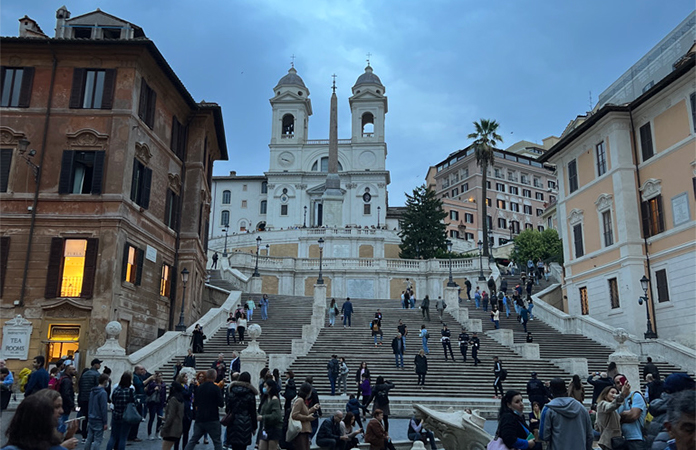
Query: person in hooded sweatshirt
point(565, 424)
point(242, 400)
point(98, 418)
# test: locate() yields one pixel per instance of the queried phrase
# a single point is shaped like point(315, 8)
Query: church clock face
point(286, 159)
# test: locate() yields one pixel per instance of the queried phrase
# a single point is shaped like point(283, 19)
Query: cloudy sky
point(531, 65)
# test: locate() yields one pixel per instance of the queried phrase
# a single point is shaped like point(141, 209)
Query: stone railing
point(660, 349)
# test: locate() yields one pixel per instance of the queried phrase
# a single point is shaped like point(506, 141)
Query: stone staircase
point(444, 379)
point(215, 278)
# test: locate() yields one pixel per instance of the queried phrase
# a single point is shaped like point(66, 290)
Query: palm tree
point(485, 140)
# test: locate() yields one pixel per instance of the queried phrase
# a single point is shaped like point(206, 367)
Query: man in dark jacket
point(220, 367)
point(491, 286)
point(565, 424)
point(425, 307)
point(475, 345)
point(599, 384)
point(241, 400)
point(235, 364)
point(503, 285)
point(67, 392)
point(536, 391)
point(467, 283)
point(650, 367)
point(207, 403)
point(332, 371)
point(329, 435)
point(398, 350)
point(347, 311)
point(38, 379)
point(463, 342)
point(88, 381)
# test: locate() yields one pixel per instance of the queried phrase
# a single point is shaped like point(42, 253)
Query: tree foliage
point(485, 138)
point(535, 245)
point(422, 225)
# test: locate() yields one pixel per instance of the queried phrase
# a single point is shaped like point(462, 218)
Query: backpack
point(503, 374)
point(427, 334)
point(333, 366)
point(382, 397)
point(643, 426)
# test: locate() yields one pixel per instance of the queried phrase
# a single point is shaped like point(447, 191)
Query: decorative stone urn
point(111, 347)
point(252, 358)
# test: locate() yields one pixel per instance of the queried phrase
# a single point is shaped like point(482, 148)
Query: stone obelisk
point(332, 198)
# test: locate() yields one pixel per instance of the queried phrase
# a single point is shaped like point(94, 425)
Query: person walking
point(503, 285)
point(206, 402)
point(565, 424)
point(88, 380)
point(530, 285)
point(215, 260)
point(343, 376)
point(398, 350)
point(475, 346)
point(359, 376)
point(540, 271)
point(120, 398)
point(98, 418)
point(403, 330)
point(424, 335)
point(576, 390)
point(376, 331)
point(231, 328)
point(197, 339)
point(270, 417)
point(156, 392)
point(491, 286)
point(506, 302)
point(38, 379)
point(250, 307)
point(463, 339)
point(241, 400)
point(524, 317)
point(530, 306)
point(512, 427)
point(67, 392)
point(484, 300)
point(499, 374)
point(425, 308)
point(467, 284)
point(380, 395)
point(440, 306)
point(608, 421)
point(495, 317)
point(173, 426)
point(477, 298)
point(347, 311)
point(241, 327)
point(305, 415)
point(421, 363)
point(333, 369)
point(263, 304)
point(445, 340)
point(333, 312)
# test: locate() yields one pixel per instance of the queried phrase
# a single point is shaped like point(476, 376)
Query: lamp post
point(320, 280)
point(184, 279)
point(481, 277)
point(224, 253)
point(644, 282)
point(304, 224)
point(451, 282)
point(268, 250)
point(378, 209)
point(23, 146)
point(256, 267)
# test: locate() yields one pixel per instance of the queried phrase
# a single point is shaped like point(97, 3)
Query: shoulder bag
point(294, 426)
point(131, 415)
point(497, 444)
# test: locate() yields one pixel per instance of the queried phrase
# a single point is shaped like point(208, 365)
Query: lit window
point(133, 264)
point(73, 267)
point(166, 280)
point(584, 302)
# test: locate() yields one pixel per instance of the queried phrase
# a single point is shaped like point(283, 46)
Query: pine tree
point(422, 226)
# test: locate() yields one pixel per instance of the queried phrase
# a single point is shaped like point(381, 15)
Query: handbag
point(497, 444)
point(294, 426)
point(131, 415)
point(227, 420)
point(154, 397)
point(618, 443)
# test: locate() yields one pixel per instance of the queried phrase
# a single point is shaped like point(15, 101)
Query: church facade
point(293, 192)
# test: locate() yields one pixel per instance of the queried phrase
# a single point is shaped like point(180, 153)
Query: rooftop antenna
point(334, 83)
point(292, 63)
point(590, 101)
point(368, 58)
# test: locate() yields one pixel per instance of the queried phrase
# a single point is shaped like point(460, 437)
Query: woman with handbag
point(156, 392)
point(271, 417)
point(608, 421)
point(513, 431)
point(173, 426)
point(241, 327)
point(124, 412)
point(241, 413)
point(304, 415)
point(333, 311)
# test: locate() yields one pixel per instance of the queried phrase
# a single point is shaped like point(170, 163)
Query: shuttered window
point(171, 210)
point(608, 228)
point(692, 97)
point(166, 280)
point(584, 302)
point(132, 264)
point(92, 88)
point(601, 155)
point(662, 287)
point(614, 293)
point(15, 86)
point(81, 172)
point(179, 136)
point(72, 267)
point(146, 106)
point(572, 176)
point(577, 240)
point(646, 144)
point(5, 165)
point(140, 184)
point(4, 254)
point(653, 218)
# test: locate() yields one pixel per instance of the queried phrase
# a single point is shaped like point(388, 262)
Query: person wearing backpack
point(376, 331)
point(500, 375)
point(333, 367)
point(343, 376)
point(380, 395)
point(88, 381)
point(632, 413)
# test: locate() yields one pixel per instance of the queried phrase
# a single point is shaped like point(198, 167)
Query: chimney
point(29, 28)
point(62, 16)
point(233, 173)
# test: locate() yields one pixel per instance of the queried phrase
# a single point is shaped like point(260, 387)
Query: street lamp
point(481, 277)
point(256, 267)
point(23, 146)
point(304, 224)
point(320, 280)
point(644, 282)
point(451, 282)
point(224, 254)
point(184, 279)
point(378, 209)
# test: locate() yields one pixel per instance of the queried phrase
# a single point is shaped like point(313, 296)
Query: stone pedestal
point(526, 350)
point(452, 301)
point(574, 366)
point(319, 307)
point(502, 336)
point(626, 362)
point(473, 325)
point(112, 354)
point(252, 358)
point(256, 285)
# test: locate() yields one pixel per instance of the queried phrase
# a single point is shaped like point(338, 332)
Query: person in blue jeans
point(398, 349)
point(120, 398)
point(424, 337)
point(477, 298)
point(98, 418)
point(347, 311)
point(264, 307)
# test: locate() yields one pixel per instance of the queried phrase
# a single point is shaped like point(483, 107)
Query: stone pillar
point(626, 362)
point(502, 336)
point(527, 350)
point(452, 302)
point(112, 354)
point(574, 366)
point(319, 306)
point(474, 325)
point(252, 358)
point(256, 285)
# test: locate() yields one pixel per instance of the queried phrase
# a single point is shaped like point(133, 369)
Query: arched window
point(242, 226)
point(324, 161)
point(264, 206)
point(288, 125)
point(368, 125)
point(264, 187)
point(225, 218)
point(226, 197)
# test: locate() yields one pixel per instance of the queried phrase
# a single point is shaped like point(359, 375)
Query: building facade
point(518, 189)
point(627, 194)
point(105, 185)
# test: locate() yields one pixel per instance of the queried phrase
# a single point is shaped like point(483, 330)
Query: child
point(98, 419)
